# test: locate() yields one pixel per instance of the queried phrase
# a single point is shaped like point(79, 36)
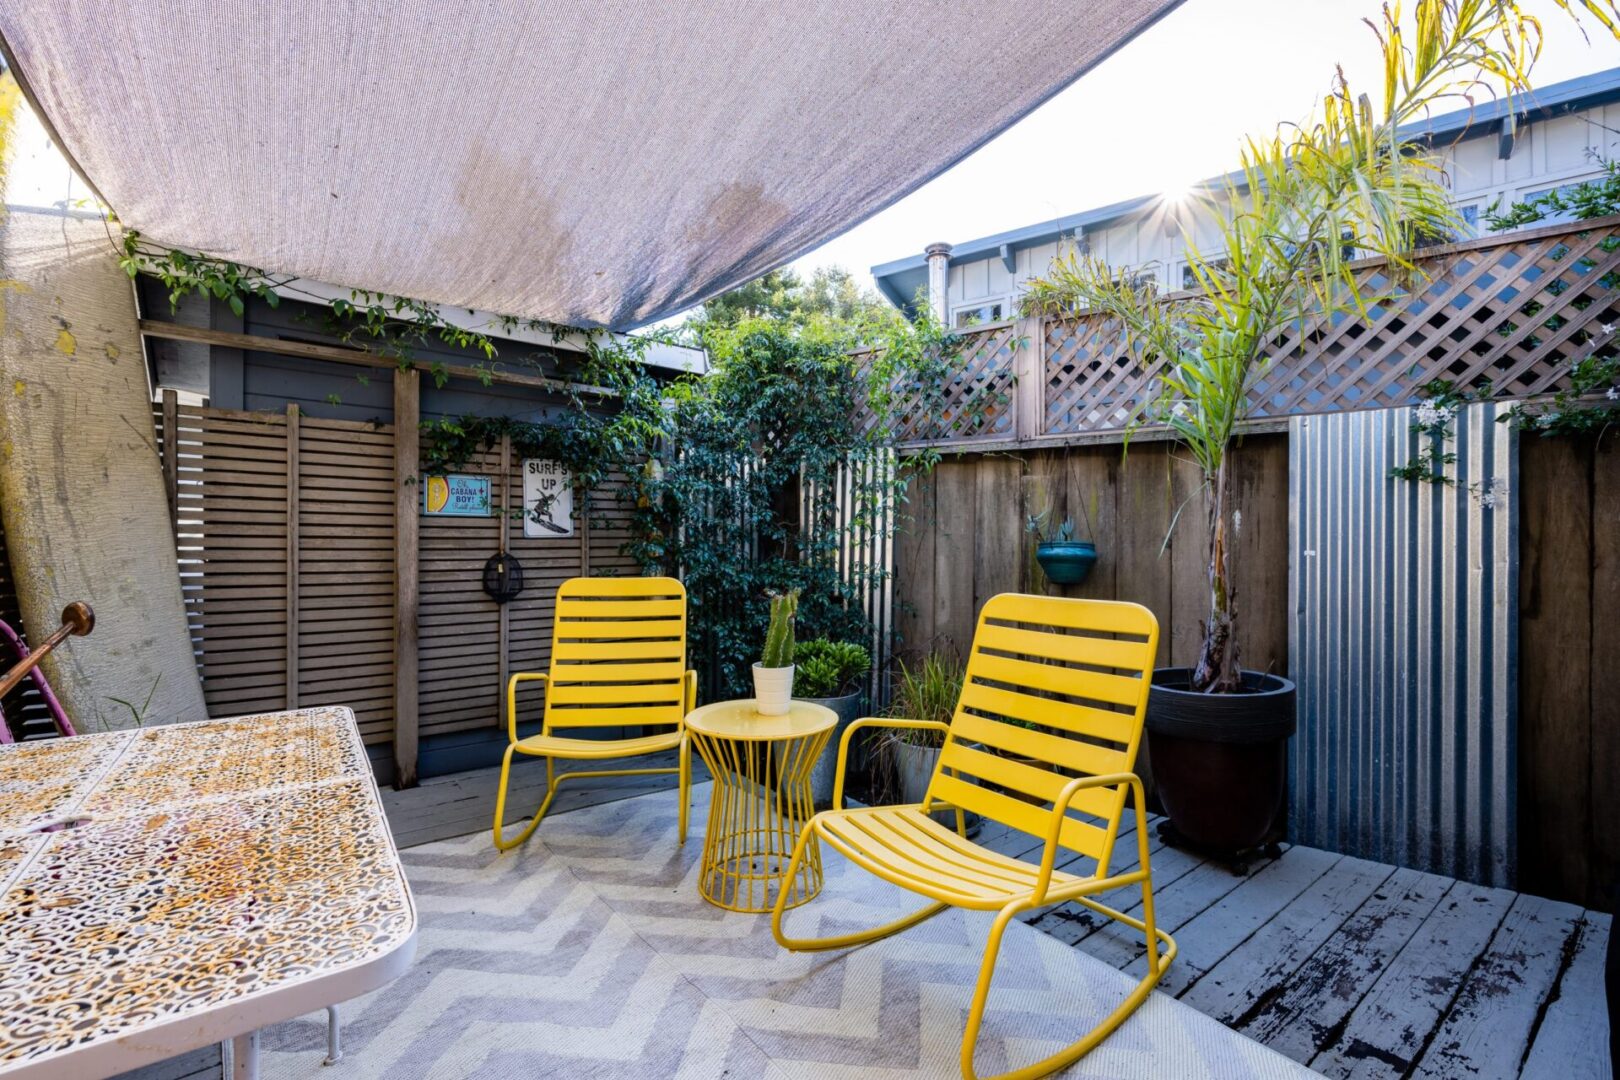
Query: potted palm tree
point(1309, 198)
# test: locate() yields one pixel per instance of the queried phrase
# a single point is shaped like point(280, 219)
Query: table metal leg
point(759, 802)
point(334, 1036)
point(245, 1057)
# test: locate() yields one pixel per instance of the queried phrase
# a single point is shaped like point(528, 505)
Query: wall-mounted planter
point(1066, 562)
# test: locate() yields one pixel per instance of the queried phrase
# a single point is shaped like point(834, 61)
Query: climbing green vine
point(393, 327)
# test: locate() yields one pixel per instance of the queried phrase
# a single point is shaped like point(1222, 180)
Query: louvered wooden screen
point(244, 531)
point(262, 499)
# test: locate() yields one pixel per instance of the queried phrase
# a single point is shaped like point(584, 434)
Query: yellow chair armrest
point(1060, 809)
point(873, 721)
point(511, 697)
point(691, 694)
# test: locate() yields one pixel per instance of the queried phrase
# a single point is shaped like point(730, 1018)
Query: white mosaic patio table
point(206, 880)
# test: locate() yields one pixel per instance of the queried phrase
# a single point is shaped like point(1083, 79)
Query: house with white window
point(1555, 138)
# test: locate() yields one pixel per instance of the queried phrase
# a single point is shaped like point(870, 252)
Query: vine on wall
point(393, 327)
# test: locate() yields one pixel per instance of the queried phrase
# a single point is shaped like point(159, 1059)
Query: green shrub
point(826, 668)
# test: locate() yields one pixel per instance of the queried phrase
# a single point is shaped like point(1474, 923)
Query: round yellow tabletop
point(759, 802)
point(740, 720)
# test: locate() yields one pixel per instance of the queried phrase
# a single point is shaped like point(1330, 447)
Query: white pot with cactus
point(773, 674)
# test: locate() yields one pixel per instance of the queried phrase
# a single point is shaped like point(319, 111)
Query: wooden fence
point(289, 556)
point(962, 540)
point(1511, 311)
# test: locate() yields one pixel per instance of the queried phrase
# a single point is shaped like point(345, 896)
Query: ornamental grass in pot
point(928, 691)
point(1309, 198)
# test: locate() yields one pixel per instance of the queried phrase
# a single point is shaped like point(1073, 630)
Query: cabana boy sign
point(548, 500)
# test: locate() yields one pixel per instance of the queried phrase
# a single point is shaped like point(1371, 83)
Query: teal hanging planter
point(1066, 562)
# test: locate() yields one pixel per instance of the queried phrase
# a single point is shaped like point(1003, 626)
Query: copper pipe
point(77, 621)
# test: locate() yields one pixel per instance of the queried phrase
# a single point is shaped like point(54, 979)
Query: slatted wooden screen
point(245, 531)
point(262, 499)
point(861, 509)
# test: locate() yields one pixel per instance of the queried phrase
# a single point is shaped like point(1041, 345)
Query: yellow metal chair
point(1079, 670)
point(618, 658)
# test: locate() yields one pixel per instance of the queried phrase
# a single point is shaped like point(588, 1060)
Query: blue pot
point(1066, 562)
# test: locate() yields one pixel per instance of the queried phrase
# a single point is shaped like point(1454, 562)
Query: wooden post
point(502, 665)
point(171, 459)
point(1029, 352)
point(407, 493)
point(292, 556)
point(582, 510)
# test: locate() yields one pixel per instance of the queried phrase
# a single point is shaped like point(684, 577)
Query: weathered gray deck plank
point(1573, 1040)
point(1299, 1018)
point(1488, 1028)
point(1175, 903)
point(1235, 985)
point(1394, 1022)
point(1073, 923)
point(1222, 926)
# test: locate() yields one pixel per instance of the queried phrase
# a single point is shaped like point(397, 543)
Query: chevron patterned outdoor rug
point(588, 953)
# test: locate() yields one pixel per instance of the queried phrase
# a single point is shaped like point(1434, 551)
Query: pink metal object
point(64, 726)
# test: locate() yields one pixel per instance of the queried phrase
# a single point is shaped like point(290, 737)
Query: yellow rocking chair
point(1059, 687)
point(618, 658)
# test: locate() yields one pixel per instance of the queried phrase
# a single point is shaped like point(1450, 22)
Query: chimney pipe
point(939, 277)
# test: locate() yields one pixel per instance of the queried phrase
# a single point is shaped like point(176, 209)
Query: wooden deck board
point(1489, 1025)
point(1300, 1019)
point(1236, 984)
point(1395, 1021)
point(1356, 968)
point(1571, 1043)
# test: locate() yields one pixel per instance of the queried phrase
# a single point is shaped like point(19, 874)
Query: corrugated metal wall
point(1403, 643)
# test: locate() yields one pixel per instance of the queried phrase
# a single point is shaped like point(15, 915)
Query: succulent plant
point(779, 636)
point(825, 668)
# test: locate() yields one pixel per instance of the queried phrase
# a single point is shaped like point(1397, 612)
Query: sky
point(1168, 109)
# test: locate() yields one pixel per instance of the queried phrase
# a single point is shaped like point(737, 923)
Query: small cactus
point(779, 643)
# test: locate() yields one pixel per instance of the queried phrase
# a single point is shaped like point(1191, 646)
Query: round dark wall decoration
point(503, 577)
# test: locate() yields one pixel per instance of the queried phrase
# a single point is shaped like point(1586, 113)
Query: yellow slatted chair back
point(618, 654)
point(1062, 683)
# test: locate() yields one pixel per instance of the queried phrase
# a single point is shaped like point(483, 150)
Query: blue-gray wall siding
point(257, 381)
point(1403, 643)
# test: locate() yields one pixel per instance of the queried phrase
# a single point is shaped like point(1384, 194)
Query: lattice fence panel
point(974, 400)
point(1510, 313)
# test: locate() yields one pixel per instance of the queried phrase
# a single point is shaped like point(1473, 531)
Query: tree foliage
point(832, 293)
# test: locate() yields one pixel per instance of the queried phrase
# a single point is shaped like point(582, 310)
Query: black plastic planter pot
point(1220, 761)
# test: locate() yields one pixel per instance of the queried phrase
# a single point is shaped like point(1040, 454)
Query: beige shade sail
point(591, 163)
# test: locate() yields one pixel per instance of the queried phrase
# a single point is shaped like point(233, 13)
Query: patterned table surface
point(215, 877)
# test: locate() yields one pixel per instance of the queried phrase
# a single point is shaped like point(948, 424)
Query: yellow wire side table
point(761, 799)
